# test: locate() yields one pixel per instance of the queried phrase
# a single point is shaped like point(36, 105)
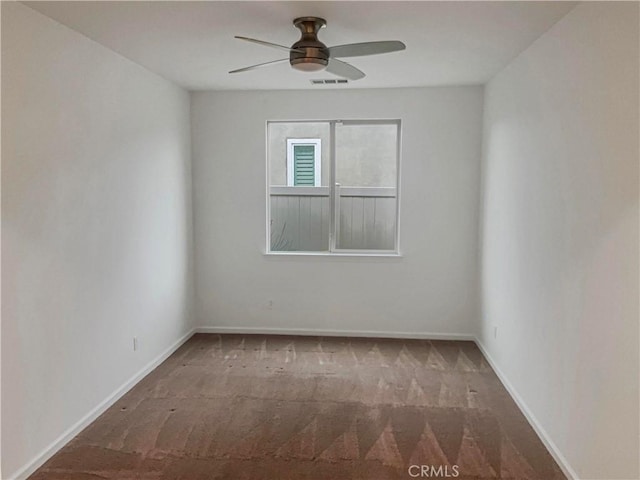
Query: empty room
point(334, 240)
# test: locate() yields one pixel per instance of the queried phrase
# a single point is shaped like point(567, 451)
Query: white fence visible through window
point(300, 218)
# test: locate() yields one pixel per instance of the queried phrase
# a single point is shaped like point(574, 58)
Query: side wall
point(96, 227)
point(430, 290)
point(560, 237)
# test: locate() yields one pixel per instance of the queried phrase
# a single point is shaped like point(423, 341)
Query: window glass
point(277, 136)
point(366, 179)
point(333, 186)
point(366, 155)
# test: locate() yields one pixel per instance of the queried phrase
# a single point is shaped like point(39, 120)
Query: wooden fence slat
point(369, 227)
point(357, 223)
point(304, 225)
point(326, 222)
point(346, 205)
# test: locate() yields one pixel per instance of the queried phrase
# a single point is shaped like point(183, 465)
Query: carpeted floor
point(283, 408)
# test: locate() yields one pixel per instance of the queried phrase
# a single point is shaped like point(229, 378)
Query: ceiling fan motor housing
point(309, 54)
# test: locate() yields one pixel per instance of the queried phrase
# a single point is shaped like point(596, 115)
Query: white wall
point(432, 289)
point(560, 237)
point(96, 226)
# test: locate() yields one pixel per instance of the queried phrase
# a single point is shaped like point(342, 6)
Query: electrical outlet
point(135, 343)
point(495, 331)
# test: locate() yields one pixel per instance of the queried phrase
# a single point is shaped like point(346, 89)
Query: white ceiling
point(192, 44)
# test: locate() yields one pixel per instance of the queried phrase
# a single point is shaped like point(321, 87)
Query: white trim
point(301, 191)
point(398, 180)
point(357, 252)
point(367, 191)
point(337, 221)
point(552, 448)
point(333, 200)
point(375, 121)
point(317, 159)
point(37, 461)
point(336, 333)
point(379, 192)
point(336, 253)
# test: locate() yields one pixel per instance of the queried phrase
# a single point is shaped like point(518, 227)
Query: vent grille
point(329, 81)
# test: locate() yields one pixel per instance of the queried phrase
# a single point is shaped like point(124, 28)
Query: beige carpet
point(276, 407)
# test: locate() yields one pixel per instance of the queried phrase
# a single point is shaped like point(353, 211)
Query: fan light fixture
point(311, 55)
point(309, 65)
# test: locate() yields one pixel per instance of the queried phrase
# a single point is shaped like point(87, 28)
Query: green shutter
point(304, 165)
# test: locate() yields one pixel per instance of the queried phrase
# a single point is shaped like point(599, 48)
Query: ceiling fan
point(309, 54)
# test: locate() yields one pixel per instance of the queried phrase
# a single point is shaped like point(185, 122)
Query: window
point(333, 186)
point(303, 162)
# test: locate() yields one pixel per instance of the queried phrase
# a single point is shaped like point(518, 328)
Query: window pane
point(366, 154)
point(280, 132)
point(307, 210)
point(366, 171)
point(299, 201)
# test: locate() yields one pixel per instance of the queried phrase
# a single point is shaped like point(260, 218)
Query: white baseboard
point(37, 461)
point(336, 333)
point(553, 449)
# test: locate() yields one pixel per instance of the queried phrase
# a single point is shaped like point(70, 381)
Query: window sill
point(333, 254)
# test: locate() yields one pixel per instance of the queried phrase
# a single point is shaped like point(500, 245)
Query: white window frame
point(331, 190)
point(317, 159)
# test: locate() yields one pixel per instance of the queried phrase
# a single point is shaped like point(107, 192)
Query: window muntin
point(352, 206)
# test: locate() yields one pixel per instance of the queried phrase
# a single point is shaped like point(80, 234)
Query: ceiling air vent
point(330, 81)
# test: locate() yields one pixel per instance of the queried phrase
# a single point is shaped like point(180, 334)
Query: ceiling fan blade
point(366, 48)
point(259, 65)
point(269, 44)
point(343, 69)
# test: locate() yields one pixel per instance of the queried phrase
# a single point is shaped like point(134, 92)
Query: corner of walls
point(544, 436)
point(0, 253)
point(193, 154)
point(65, 437)
point(477, 325)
